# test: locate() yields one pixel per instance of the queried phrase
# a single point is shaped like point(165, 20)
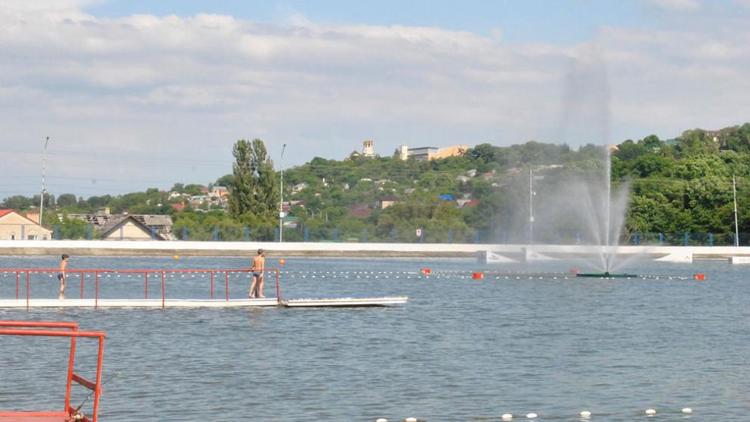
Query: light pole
point(531, 205)
point(44, 184)
point(736, 226)
point(281, 195)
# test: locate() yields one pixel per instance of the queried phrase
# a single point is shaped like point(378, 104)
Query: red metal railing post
point(213, 273)
point(82, 277)
point(145, 285)
point(98, 391)
point(278, 288)
point(28, 290)
point(96, 285)
point(226, 284)
point(71, 367)
point(163, 290)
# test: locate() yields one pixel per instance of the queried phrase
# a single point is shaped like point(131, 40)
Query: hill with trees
point(676, 187)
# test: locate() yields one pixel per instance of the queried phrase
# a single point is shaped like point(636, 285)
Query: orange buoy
point(699, 277)
point(477, 275)
point(282, 261)
point(426, 271)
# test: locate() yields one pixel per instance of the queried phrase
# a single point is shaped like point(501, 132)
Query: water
point(460, 350)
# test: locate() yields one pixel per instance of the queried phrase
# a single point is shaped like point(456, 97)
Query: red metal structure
point(82, 274)
point(67, 330)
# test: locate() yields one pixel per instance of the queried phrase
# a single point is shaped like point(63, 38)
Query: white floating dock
point(201, 303)
point(138, 303)
point(345, 302)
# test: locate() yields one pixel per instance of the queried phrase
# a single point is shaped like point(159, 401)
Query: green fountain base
point(607, 275)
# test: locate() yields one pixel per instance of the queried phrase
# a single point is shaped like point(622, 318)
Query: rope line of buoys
point(421, 274)
point(584, 415)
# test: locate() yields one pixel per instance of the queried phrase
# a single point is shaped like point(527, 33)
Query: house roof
point(4, 212)
point(115, 225)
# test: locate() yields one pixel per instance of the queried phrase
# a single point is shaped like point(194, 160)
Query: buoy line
point(359, 274)
point(583, 415)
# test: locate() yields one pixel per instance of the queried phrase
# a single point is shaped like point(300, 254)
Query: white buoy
point(650, 412)
point(506, 417)
point(585, 414)
point(410, 420)
point(531, 415)
point(381, 420)
point(687, 410)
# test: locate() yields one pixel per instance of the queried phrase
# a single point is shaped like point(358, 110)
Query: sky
point(138, 94)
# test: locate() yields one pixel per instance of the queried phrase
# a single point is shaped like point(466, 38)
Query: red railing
point(97, 273)
point(60, 329)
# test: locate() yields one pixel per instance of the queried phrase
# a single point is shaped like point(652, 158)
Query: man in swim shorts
point(259, 266)
point(61, 276)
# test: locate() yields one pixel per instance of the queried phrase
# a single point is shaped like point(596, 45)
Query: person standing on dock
point(259, 266)
point(61, 276)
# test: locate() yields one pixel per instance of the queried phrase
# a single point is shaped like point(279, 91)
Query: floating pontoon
point(77, 279)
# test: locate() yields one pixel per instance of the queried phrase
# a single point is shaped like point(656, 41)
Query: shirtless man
point(61, 276)
point(259, 266)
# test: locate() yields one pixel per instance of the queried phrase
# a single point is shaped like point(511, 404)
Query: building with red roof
point(16, 226)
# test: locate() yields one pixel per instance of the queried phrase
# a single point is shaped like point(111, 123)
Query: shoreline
point(516, 252)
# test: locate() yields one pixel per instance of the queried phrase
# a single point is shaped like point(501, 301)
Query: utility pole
point(736, 226)
point(44, 182)
point(281, 195)
point(531, 205)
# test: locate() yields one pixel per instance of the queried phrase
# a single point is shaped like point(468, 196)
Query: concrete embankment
point(170, 248)
point(289, 249)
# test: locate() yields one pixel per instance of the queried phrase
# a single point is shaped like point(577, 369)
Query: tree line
point(675, 186)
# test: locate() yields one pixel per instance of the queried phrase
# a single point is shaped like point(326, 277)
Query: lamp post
point(531, 205)
point(736, 226)
point(44, 184)
point(281, 195)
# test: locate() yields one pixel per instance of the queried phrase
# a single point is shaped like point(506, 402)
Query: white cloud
point(677, 5)
point(165, 97)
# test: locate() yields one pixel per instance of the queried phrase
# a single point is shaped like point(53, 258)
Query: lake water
point(460, 350)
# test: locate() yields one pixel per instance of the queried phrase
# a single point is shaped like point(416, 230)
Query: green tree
point(67, 200)
point(254, 189)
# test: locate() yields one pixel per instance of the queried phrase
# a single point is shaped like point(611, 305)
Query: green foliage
point(254, 189)
point(677, 185)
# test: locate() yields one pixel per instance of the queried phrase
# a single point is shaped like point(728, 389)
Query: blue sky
point(137, 94)
point(550, 21)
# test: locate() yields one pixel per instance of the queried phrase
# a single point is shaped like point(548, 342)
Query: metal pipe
point(98, 391)
point(226, 284)
point(163, 290)
point(44, 184)
point(281, 195)
point(96, 284)
point(278, 289)
point(71, 366)
point(28, 290)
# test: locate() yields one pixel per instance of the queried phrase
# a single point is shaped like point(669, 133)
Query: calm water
point(460, 350)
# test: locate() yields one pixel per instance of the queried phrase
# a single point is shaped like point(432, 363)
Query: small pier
point(27, 279)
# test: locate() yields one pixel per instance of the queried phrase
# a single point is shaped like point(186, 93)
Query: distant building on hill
point(431, 153)
point(368, 148)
